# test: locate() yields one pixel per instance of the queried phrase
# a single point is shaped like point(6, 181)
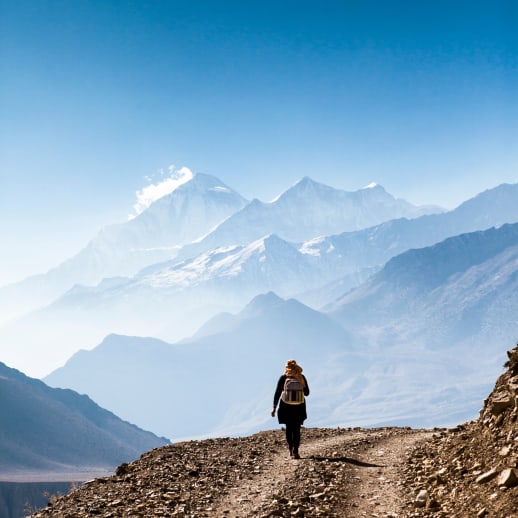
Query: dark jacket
point(290, 414)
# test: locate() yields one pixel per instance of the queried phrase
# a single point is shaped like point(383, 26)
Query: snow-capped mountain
point(196, 211)
point(187, 213)
point(307, 210)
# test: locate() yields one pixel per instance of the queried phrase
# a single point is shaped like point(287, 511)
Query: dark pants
point(293, 434)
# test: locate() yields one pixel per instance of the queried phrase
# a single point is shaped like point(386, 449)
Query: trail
point(343, 472)
point(350, 475)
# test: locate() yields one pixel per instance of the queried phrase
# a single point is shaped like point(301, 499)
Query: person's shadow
point(347, 460)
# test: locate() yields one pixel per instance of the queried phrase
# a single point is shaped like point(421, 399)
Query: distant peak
point(268, 242)
point(305, 180)
point(207, 179)
point(372, 185)
point(262, 302)
point(305, 184)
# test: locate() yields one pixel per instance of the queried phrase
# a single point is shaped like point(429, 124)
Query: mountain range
point(171, 299)
point(137, 305)
point(307, 210)
point(187, 213)
point(375, 313)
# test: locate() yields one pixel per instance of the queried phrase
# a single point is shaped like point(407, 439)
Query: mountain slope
point(477, 460)
point(461, 292)
point(59, 431)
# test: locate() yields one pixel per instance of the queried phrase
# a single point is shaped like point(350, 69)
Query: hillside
point(55, 434)
point(470, 470)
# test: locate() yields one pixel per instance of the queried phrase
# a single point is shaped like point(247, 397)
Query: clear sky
point(98, 96)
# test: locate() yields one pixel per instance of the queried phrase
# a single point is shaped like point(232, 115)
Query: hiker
point(291, 389)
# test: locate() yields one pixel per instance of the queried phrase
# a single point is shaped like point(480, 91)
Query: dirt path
point(343, 473)
point(354, 474)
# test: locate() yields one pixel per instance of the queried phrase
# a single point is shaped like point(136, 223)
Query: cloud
point(155, 191)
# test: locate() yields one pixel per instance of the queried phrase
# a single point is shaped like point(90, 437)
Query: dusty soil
point(348, 473)
point(342, 472)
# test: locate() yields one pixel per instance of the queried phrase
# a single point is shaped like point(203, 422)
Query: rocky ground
point(342, 472)
point(468, 471)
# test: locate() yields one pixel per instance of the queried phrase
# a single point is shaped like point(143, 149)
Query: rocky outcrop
point(472, 470)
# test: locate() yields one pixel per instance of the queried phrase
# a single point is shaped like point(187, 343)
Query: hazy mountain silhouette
point(200, 385)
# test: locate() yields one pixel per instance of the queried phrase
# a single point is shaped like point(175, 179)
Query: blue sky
point(96, 97)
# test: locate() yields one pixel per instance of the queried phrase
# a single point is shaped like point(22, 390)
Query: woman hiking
point(291, 389)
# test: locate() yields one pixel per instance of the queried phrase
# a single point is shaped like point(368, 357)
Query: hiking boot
point(296, 453)
point(291, 450)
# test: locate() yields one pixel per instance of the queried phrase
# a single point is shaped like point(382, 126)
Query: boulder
point(487, 476)
point(508, 478)
point(501, 402)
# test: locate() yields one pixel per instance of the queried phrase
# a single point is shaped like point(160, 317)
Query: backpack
point(293, 392)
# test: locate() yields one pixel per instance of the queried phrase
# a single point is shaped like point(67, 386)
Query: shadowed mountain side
point(220, 380)
point(59, 431)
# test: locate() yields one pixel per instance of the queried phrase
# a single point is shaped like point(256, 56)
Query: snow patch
point(220, 188)
point(313, 246)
